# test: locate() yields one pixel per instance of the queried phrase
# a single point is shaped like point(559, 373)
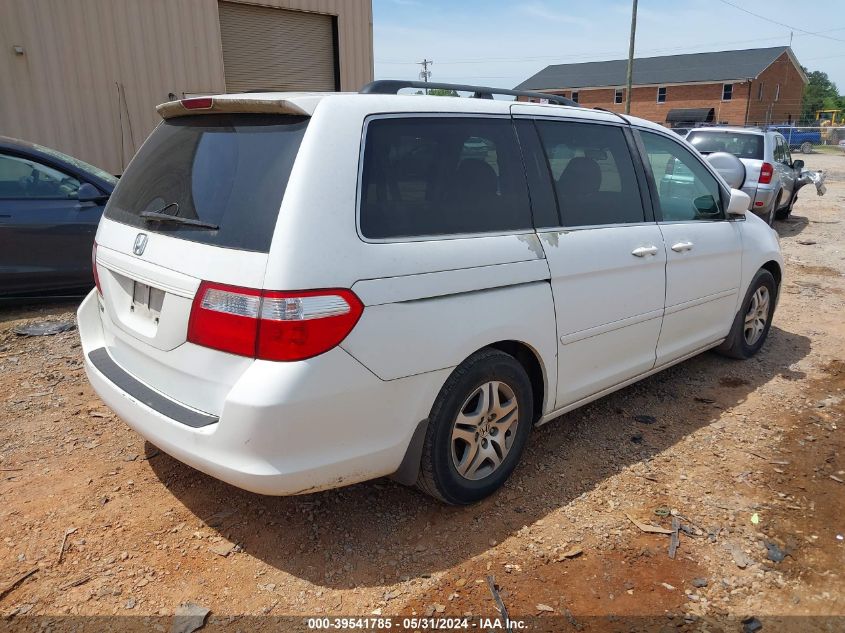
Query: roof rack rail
point(612, 112)
point(393, 86)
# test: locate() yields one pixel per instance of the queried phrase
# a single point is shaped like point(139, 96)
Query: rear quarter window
point(228, 170)
point(437, 176)
point(740, 144)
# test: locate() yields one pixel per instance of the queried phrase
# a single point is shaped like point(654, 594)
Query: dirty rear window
point(739, 144)
point(227, 170)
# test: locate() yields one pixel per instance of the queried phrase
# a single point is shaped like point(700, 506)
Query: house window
point(618, 96)
point(575, 96)
point(661, 95)
point(760, 92)
point(777, 92)
point(727, 92)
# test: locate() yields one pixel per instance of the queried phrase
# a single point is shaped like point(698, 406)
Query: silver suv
point(771, 176)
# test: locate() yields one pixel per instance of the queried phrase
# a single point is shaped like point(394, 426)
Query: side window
point(594, 175)
point(782, 155)
point(777, 154)
point(22, 178)
point(686, 190)
point(442, 176)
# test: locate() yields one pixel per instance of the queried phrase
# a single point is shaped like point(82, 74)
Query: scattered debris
point(751, 625)
point(839, 479)
point(699, 582)
point(545, 607)
point(571, 553)
point(807, 242)
point(755, 518)
point(704, 400)
point(637, 438)
point(68, 532)
point(667, 586)
point(775, 553)
point(75, 583)
point(14, 583)
point(500, 604)
point(741, 559)
point(647, 527)
point(44, 328)
point(223, 548)
point(188, 618)
point(674, 538)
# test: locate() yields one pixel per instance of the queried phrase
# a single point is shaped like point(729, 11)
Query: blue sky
point(500, 43)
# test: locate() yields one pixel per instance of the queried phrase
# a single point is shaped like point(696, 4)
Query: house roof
point(669, 69)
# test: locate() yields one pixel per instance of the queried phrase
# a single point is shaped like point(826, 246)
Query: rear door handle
point(642, 251)
point(680, 247)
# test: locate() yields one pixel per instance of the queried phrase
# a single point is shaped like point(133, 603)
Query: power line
point(788, 26)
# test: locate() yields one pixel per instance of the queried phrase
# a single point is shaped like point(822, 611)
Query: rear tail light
point(94, 268)
point(767, 170)
point(197, 103)
point(270, 325)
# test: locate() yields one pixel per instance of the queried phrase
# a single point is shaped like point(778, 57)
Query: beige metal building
point(84, 76)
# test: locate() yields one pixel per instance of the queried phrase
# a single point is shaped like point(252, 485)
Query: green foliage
point(820, 94)
point(441, 92)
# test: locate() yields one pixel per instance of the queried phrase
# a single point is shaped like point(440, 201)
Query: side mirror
point(89, 193)
point(729, 167)
point(739, 203)
point(798, 164)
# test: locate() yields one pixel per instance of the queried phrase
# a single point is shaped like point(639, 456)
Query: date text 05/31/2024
point(379, 623)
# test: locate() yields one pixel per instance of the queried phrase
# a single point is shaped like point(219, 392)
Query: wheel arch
point(774, 267)
point(526, 356)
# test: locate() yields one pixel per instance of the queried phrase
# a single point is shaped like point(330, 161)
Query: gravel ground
point(747, 457)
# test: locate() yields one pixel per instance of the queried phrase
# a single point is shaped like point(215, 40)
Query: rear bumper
point(285, 428)
point(761, 200)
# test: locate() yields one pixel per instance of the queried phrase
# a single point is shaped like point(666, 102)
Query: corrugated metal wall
point(93, 71)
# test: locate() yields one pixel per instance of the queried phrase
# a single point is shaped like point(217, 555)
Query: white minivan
point(302, 291)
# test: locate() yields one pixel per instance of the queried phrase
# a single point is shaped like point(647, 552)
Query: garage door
point(277, 49)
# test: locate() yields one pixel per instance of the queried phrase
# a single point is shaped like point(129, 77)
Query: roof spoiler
point(236, 104)
point(393, 86)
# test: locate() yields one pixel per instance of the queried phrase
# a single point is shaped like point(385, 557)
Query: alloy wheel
point(484, 430)
point(757, 315)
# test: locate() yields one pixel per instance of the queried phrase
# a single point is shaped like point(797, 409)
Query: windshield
point(225, 170)
point(741, 145)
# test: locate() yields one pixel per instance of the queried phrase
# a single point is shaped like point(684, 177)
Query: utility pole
point(425, 73)
point(631, 58)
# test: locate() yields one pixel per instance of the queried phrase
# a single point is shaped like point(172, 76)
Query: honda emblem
point(140, 244)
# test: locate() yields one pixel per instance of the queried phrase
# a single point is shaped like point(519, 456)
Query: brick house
point(756, 86)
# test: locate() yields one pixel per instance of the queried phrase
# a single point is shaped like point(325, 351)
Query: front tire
point(751, 325)
point(477, 429)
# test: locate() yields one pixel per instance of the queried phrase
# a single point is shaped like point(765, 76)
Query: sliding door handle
point(642, 251)
point(680, 247)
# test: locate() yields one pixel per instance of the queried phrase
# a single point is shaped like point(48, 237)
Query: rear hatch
point(199, 202)
point(747, 146)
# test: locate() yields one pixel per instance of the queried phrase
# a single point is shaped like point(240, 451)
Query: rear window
point(739, 144)
point(227, 170)
point(428, 176)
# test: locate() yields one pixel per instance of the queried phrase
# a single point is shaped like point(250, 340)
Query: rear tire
point(477, 429)
point(785, 213)
point(806, 147)
point(754, 319)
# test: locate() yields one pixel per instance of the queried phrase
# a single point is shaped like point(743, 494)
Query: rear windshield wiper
point(160, 216)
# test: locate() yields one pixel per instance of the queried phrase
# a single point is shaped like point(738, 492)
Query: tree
point(442, 92)
point(819, 94)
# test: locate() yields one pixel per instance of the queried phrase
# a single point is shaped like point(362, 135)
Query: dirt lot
point(744, 453)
